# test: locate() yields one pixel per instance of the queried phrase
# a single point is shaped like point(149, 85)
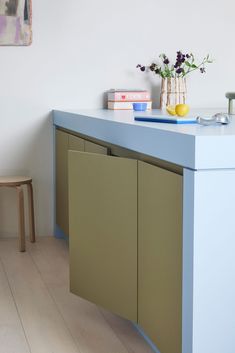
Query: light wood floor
point(39, 315)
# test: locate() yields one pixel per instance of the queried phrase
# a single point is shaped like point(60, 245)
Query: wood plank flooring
point(38, 314)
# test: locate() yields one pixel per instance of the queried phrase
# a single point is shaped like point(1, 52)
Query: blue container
point(140, 107)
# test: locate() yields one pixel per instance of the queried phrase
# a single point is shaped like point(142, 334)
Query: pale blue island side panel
point(214, 262)
point(215, 152)
point(209, 262)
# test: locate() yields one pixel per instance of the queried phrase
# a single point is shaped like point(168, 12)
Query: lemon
point(181, 109)
point(171, 109)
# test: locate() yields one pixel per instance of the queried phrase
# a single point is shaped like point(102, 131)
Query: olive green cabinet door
point(160, 256)
point(95, 148)
point(62, 180)
point(103, 231)
point(64, 143)
point(76, 143)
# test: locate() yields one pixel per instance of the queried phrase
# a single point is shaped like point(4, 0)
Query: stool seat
point(14, 180)
point(18, 182)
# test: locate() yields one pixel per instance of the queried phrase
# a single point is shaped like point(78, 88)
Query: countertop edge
point(185, 150)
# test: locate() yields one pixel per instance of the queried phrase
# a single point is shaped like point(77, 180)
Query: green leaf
point(187, 63)
point(167, 71)
point(193, 66)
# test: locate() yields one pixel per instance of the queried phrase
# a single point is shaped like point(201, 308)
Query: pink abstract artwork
point(15, 22)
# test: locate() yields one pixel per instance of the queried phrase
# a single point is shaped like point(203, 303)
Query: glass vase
point(173, 91)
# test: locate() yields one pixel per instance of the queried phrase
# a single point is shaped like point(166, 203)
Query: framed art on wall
point(15, 22)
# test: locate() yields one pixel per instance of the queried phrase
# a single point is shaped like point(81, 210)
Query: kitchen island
point(149, 209)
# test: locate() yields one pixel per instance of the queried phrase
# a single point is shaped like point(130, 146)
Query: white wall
point(82, 48)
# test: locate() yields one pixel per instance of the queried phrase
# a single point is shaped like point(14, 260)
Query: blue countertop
point(192, 146)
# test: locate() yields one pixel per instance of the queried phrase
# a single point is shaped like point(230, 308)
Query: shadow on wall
point(8, 213)
point(155, 94)
point(42, 161)
point(155, 90)
point(105, 99)
point(34, 162)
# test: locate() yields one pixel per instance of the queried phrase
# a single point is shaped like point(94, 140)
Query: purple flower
point(152, 67)
point(179, 70)
point(142, 68)
point(181, 58)
point(183, 65)
point(177, 64)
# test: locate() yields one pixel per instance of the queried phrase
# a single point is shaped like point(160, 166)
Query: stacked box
point(122, 99)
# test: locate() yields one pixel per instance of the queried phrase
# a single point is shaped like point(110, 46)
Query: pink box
point(128, 96)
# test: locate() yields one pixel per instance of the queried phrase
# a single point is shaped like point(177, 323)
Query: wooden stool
point(18, 182)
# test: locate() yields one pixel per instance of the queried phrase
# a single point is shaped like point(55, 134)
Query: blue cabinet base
point(147, 339)
point(59, 234)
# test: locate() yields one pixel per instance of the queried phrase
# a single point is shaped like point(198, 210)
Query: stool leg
point(21, 218)
point(31, 213)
